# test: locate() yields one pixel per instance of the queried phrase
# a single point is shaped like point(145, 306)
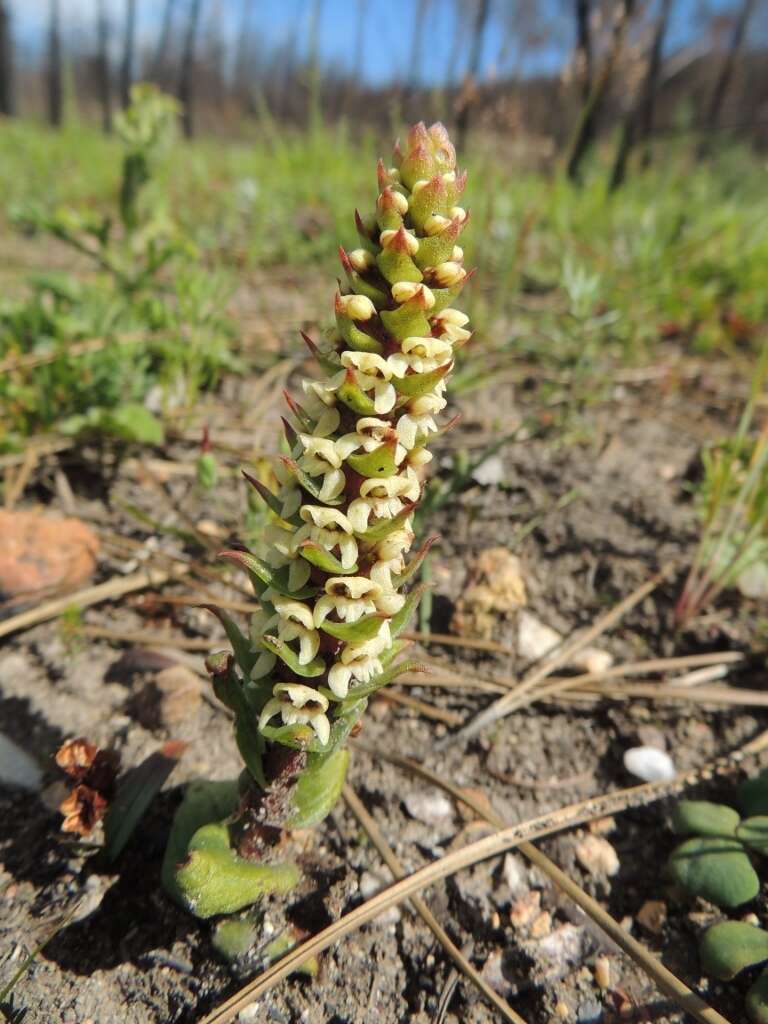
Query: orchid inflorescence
point(332, 568)
point(333, 564)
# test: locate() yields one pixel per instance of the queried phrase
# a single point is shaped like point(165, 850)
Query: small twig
point(145, 638)
point(108, 591)
point(428, 710)
point(14, 488)
point(504, 705)
point(429, 919)
point(75, 348)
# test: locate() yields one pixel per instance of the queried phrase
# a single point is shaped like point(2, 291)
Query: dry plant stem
point(490, 846)
point(504, 705)
point(453, 951)
point(14, 487)
point(77, 348)
point(108, 591)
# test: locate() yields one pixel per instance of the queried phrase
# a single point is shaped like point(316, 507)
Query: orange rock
point(40, 552)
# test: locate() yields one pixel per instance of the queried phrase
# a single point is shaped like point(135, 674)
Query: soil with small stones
point(116, 949)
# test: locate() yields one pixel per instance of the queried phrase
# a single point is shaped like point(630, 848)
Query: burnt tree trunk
point(159, 65)
point(129, 53)
point(7, 67)
point(726, 71)
point(102, 67)
point(584, 134)
point(187, 73)
point(651, 93)
point(473, 69)
point(55, 85)
point(638, 120)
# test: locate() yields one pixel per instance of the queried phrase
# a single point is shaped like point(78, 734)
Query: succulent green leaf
point(400, 621)
point(204, 802)
point(354, 337)
point(214, 880)
point(350, 394)
point(330, 363)
point(229, 690)
point(382, 679)
point(241, 644)
point(753, 832)
point(756, 1000)
point(383, 527)
point(354, 632)
point(264, 493)
point(716, 869)
point(307, 483)
point(396, 265)
point(730, 947)
point(316, 555)
point(234, 937)
point(379, 462)
point(415, 563)
point(291, 659)
point(318, 788)
point(263, 575)
point(702, 818)
point(415, 384)
point(407, 321)
point(436, 249)
point(753, 795)
point(444, 296)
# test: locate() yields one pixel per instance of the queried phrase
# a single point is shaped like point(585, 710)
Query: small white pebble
point(432, 809)
point(649, 764)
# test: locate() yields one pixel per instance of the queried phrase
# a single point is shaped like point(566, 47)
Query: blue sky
point(387, 42)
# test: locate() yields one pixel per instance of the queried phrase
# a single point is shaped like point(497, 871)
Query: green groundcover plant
point(717, 862)
point(331, 574)
point(81, 352)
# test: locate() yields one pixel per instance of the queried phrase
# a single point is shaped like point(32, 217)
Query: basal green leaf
point(730, 947)
point(754, 833)
point(702, 818)
point(716, 869)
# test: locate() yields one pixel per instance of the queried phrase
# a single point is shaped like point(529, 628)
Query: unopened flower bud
point(361, 260)
point(410, 242)
point(458, 212)
point(389, 197)
point(403, 291)
point(357, 307)
point(448, 274)
point(434, 224)
point(419, 185)
point(457, 254)
point(453, 316)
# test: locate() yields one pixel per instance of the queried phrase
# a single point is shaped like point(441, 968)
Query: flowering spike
point(332, 564)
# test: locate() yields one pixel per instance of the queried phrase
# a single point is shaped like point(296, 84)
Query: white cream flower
point(373, 374)
point(447, 274)
point(419, 418)
point(404, 291)
point(295, 622)
point(369, 433)
point(422, 355)
point(359, 661)
point(350, 597)
point(386, 239)
point(329, 528)
point(382, 497)
point(321, 394)
point(261, 623)
point(356, 307)
point(298, 705)
point(327, 423)
point(320, 458)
